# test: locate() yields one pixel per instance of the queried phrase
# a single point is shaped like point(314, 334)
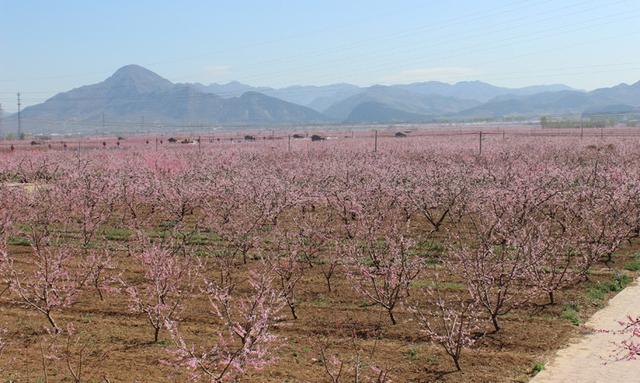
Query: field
point(416, 259)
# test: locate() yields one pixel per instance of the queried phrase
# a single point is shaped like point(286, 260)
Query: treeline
point(574, 123)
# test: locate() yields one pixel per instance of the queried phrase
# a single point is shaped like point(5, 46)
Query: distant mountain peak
point(138, 77)
point(133, 71)
point(134, 92)
point(622, 85)
point(471, 82)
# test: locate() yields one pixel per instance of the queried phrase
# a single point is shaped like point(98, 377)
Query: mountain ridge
point(134, 98)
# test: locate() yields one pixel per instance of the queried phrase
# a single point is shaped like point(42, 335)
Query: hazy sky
point(50, 46)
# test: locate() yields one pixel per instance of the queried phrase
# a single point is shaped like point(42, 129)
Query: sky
point(52, 46)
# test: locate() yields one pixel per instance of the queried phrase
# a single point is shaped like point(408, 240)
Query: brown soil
point(119, 347)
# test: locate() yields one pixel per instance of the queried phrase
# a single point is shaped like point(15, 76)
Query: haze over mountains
point(135, 99)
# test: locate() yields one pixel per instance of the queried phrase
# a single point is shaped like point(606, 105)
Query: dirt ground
point(119, 347)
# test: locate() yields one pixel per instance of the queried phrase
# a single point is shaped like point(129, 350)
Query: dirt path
point(584, 360)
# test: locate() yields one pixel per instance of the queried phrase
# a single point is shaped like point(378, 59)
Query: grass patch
point(117, 234)
point(633, 265)
point(203, 238)
point(598, 291)
point(202, 253)
point(571, 314)
point(537, 367)
point(423, 283)
point(18, 241)
point(412, 353)
point(433, 360)
point(430, 250)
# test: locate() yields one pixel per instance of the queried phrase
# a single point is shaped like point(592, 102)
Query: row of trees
point(241, 228)
point(575, 123)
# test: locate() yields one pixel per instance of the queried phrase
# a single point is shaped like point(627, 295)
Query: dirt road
point(588, 359)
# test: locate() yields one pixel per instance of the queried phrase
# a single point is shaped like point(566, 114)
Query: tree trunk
point(393, 319)
point(328, 283)
point(293, 311)
point(496, 326)
point(96, 284)
point(56, 329)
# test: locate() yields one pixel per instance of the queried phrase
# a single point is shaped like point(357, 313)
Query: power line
point(379, 63)
point(19, 118)
point(466, 51)
point(376, 60)
point(443, 23)
point(430, 27)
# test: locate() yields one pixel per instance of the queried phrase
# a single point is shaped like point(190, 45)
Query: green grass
point(366, 261)
point(320, 303)
point(202, 253)
point(633, 265)
point(433, 359)
point(571, 314)
point(192, 238)
point(412, 353)
point(422, 283)
point(430, 250)
point(537, 367)
point(203, 238)
point(117, 234)
point(18, 241)
point(598, 291)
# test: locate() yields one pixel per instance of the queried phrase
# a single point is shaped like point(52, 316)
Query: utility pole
point(375, 141)
point(480, 143)
point(199, 149)
point(289, 144)
point(19, 118)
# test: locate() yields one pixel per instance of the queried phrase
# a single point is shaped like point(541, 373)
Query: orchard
point(423, 260)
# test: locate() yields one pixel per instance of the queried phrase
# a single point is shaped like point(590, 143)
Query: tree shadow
point(439, 373)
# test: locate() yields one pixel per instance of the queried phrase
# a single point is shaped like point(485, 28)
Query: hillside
point(400, 100)
point(135, 99)
point(619, 99)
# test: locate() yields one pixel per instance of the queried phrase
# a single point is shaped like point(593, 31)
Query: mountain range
point(136, 99)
